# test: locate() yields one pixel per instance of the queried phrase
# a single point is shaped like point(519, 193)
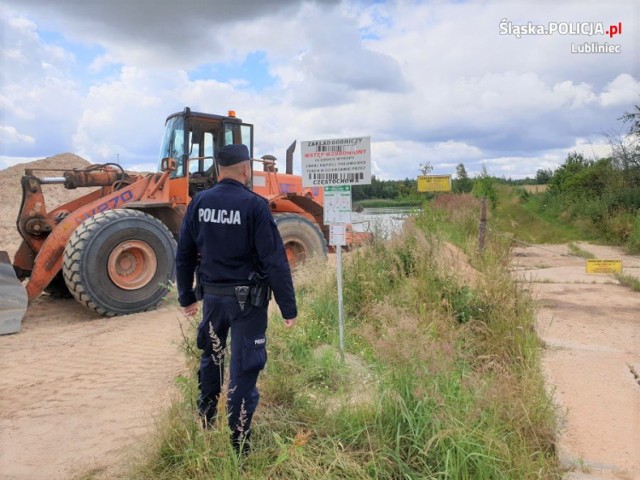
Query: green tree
point(626, 151)
point(484, 186)
point(633, 118)
point(602, 195)
point(560, 183)
point(462, 182)
point(426, 168)
point(543, 176)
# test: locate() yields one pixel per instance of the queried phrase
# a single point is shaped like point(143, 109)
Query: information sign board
point(604, 266)
point(338, 235)
point(337, 204)
point(434, 183)
point(339, 161)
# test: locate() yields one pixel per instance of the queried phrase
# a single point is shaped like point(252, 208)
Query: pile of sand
point(11, 192)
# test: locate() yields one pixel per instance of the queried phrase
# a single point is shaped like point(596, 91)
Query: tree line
point(408, 188)
point(601, 196)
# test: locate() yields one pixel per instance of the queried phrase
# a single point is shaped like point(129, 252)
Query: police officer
point(231, 231)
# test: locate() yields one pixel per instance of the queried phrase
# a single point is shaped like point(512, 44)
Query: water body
point(381, 221)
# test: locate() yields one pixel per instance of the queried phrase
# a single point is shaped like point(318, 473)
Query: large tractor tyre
point(119, 262)
point(302, 238)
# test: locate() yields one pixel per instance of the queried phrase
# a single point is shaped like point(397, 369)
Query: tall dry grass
point(441, 377)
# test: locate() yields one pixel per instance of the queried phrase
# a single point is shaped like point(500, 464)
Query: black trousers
point(221, 315)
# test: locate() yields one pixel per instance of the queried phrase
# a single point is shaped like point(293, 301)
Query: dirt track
point(591, 328)
point(79, 392)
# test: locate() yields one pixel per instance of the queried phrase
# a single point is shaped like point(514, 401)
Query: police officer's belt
point(221, 290)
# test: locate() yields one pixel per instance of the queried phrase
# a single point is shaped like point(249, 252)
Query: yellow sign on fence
point(604, 266)
point(434, 183)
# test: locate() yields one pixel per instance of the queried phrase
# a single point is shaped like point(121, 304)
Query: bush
point(594, 196)
point(634, 238)
point(484, 186)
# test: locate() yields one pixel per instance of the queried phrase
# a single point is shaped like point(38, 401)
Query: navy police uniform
point(230, 231)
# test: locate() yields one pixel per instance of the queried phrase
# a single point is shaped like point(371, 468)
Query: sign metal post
point(336, 165)
point(338, 237)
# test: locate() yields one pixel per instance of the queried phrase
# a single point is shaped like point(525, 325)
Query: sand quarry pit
point(81, 392)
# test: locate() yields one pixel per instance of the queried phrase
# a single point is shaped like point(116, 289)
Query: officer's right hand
point(289, 323)
point(190, 310)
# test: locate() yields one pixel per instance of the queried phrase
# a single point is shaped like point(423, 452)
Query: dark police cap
point(232, 154)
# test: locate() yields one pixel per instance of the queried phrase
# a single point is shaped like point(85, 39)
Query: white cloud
point(37, 91)
point(452, 40)
point(573, 96)
point(425, 80)
point(153, 34)
point(590, 149)
point(516, 166)
point(120, 117)
point(9, 134)
point(144, 167)
point(621, 91)
point(527, 166)
point(392, 158)
point(10, 161)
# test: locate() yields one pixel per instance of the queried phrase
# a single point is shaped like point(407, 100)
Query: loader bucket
point(13, 297)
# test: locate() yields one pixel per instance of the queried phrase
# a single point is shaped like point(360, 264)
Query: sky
point(438, 82)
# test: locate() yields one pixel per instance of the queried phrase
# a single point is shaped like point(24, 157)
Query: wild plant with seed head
point(218, 349)
point(242, 419)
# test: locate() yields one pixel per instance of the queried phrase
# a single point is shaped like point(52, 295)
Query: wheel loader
point(113, 249)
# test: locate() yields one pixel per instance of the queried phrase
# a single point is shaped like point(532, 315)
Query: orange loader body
point(41, 256)
point(113, 248)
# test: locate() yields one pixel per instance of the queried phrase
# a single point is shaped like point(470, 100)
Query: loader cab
point(193, 139)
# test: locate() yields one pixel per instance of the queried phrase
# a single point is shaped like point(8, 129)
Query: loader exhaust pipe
point(290, 150)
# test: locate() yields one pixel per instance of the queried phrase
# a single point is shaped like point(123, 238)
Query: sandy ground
point(78, 393)
point(591, 329)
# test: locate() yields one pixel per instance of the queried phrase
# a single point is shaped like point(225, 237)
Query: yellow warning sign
point(604, 266)
point(434, 183)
